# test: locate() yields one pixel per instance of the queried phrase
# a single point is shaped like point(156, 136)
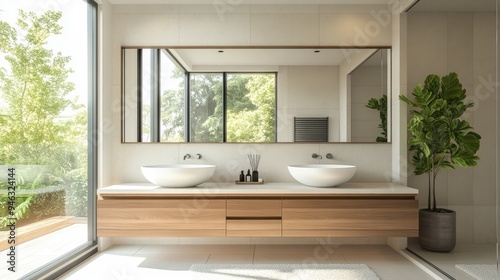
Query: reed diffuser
point(254, 163)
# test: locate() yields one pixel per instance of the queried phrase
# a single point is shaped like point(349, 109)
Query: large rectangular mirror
point(188, 94)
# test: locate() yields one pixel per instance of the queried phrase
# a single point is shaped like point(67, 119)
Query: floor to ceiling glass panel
point(460, 36)
point(46, 78)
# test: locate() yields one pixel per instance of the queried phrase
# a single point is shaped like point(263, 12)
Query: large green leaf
point(452, 88)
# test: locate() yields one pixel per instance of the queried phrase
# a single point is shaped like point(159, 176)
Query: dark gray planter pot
point(437, 230)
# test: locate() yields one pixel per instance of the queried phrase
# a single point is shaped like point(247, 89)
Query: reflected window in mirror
point(232, 107)
point(206, 118)
point(251, 107)
point(172, 108)
point(164, 102)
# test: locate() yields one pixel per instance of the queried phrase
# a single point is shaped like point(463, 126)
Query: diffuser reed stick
point(254, 161)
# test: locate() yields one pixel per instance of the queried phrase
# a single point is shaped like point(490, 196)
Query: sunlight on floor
point(174, 261)
point(42, 250)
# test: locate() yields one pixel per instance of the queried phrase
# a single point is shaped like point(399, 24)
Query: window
point(47, 150)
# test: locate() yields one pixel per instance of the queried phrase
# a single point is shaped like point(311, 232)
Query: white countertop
point(282, 189)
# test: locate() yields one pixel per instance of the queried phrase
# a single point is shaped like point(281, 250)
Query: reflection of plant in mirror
point(381, 106)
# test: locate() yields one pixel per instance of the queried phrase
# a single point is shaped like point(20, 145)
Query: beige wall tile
point(465, 223)
point(146, 29)
point(220, 8)
point(285, 29)
point(145, 9)
point(210, 29)
point(485, 172)
point(354, 30)
point(426, 50)
point(353, 9)
point(485, 224)
point(460, 46)
point(285, 9)
point(460, 186)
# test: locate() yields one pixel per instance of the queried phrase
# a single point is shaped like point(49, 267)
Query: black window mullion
point(139, 95)
point(224, 107)
point(275, 107)
point(187, 109)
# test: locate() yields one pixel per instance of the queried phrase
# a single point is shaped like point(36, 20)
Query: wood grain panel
point(160, 233)
point(350, 233)
point(162, 217)
point(254, 228)
point(367, 217)
point(254, 207)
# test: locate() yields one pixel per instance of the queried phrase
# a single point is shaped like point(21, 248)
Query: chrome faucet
point(186, 156)
point(316, 156)
point(198, 156)
point(329, 156)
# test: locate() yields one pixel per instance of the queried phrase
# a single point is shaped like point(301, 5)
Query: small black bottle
point(249, 176)
point(242, 176)
point(255, 176)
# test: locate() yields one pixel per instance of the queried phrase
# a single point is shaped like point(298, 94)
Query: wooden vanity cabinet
point(190, 217)
point(264, 216)
point(350, 217)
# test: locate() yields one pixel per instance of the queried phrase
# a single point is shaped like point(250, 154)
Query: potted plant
point(439, 140)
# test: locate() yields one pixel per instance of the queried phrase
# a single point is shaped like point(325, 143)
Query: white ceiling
point(260, 57)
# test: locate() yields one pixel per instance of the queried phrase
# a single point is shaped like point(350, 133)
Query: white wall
point(107, 110)
point(440, 43)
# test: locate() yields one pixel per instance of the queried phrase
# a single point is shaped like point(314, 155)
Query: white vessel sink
point(322, 175)
point(178, 175)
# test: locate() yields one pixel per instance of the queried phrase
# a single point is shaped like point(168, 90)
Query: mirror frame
point(348, 48)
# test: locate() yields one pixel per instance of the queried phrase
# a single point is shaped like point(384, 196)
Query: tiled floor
point(127, 262)
point(462, 254)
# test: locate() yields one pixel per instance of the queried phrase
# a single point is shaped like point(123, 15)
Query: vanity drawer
point(253, 227)
point(255, 208)
point(161, 217)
